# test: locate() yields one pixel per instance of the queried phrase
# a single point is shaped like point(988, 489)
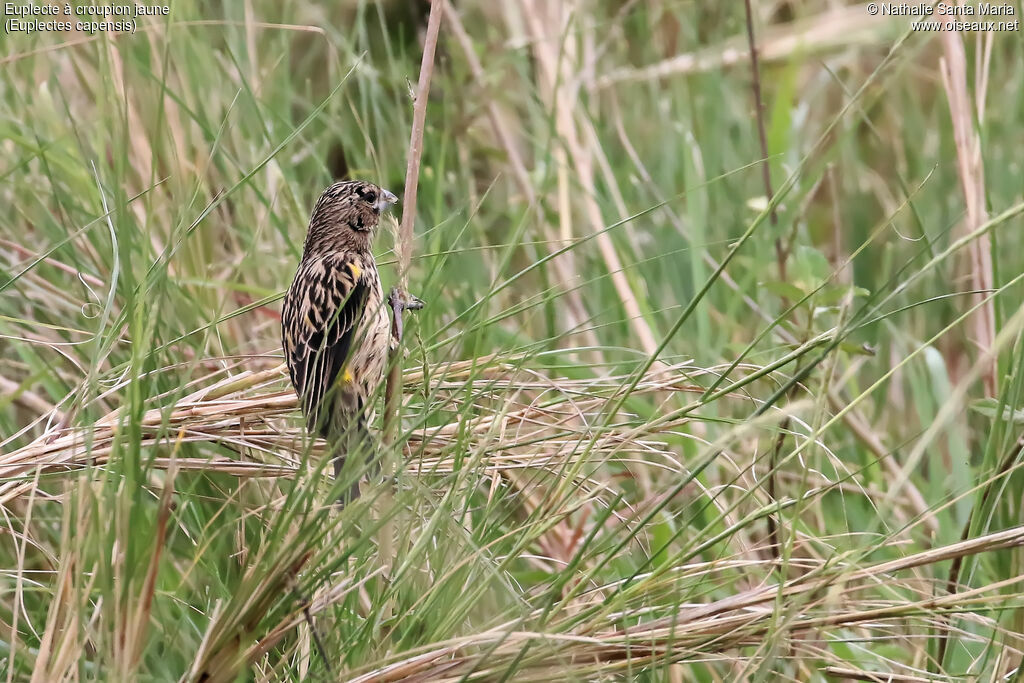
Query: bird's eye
point(371, 196)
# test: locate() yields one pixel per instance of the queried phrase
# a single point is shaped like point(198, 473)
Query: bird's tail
point(351, 438)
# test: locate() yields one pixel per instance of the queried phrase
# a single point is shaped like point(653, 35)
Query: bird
point(335, 329)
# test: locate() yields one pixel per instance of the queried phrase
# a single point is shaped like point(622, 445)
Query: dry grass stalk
point(403, 249)
point(521, 419)
point(403, 241)
point(221, 657)
point(846, 673)
point(403, 245)
point(30, 400)
point(134, 625)
point(558, 71)
point(830, 593)
point(868, 436)
point(774, 531)
point(953, 67)
point(835, 29)
point(576, 312)
point(62, 642)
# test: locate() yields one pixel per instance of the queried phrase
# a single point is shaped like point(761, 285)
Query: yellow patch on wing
point(347, 376)
point(355, 270)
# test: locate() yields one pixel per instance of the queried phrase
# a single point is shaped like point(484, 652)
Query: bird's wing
point(320, 320)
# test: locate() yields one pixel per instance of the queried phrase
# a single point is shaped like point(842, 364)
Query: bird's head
point(346, 216)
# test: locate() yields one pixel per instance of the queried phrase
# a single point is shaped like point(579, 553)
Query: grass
point(647, 432)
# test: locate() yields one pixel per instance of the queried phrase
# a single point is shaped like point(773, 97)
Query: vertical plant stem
point(982, 330)
point(412, 167)
point(403, 249)
point(755, 84)
point(576, 310)
point(953, 69)
point(780, 257)
point(403, 244)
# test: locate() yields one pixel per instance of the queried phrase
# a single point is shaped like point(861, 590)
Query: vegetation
point(659, 421)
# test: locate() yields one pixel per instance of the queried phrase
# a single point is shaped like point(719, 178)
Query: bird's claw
point(406, 302)
point(401, 302)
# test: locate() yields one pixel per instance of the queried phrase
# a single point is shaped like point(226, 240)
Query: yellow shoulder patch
point(355, 270)
point(347, 376)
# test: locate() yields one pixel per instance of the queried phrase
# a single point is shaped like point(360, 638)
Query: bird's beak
point(385, 201)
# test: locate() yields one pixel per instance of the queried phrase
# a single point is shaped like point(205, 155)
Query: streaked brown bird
point(334, 326)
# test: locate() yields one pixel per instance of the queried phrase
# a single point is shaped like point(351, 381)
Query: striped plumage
point(334, 326)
